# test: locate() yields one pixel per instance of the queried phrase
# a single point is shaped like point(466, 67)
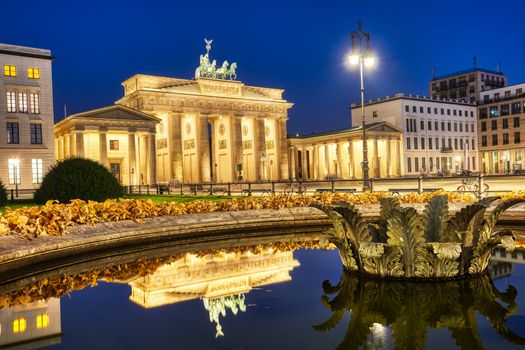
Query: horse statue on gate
point(231, 72)
point(223, 71)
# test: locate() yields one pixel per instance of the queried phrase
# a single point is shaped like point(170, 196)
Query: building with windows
point(338, 154)
point(501, 128)
point(439, 135)
point(121, 138)
point(466, 85)
point(26, 97)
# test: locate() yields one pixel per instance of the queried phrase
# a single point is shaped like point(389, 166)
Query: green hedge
point(78, 178)
point(3, 195)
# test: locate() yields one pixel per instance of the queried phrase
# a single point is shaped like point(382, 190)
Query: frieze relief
point(189, 144)
point(247, 144)
point(270, 145)
point(162, 143)
point(222, 144)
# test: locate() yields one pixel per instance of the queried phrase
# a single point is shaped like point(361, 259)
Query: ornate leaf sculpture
point(435, 218)
point(381, 259)
point(387, 206)
point(405, 232)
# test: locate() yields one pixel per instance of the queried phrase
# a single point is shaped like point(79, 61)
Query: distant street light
point(357, 57)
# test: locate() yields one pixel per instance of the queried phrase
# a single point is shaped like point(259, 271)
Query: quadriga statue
point(407, 245)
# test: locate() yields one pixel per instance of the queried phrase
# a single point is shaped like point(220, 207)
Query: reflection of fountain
point(217, 307)
point(220, 279)
point(400, 312)
point(32, 325)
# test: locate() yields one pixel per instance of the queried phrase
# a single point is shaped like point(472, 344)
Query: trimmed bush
point(78, 178)
point(3, 195)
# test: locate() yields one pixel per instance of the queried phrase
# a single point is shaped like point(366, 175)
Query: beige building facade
point(26, 100)
point(339, 154)
point(121, 138)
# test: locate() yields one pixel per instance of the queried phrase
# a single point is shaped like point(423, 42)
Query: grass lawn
point(154, 197)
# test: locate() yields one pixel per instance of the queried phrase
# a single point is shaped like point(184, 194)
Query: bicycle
point(469, 185)
point(291, 188)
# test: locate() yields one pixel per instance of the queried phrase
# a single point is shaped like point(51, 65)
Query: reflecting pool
point(283, 295)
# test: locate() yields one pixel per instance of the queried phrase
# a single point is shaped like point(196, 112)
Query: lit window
point(19, 325)
point(33, 73)
point(36, 134)
point(11, 101)
point(14, 171)
point(113, 145)
point(34, 103)
point(22, 102)
point(42, 321)
point(9, 71)
point(37, 171)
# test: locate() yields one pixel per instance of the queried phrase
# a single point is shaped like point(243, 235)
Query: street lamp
point(366, 59)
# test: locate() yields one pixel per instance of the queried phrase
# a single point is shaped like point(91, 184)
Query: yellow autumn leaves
point(52, 219)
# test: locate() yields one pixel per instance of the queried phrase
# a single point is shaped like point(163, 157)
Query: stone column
point(204, 148)
point(339, 154)
point(377, 164)
point(103, 146)
point(71, 145)
point(132, 154)
point(293, 165)
point(389, 156)
point(351, 170)
point(151, 159)
point(304, 163)
point(175, 139)
point(326, 159)
point(400, 158)
point(79, 142)
point(283, 154)
point(236, 145)
point(260, 147)
point(316, 162)
point(213, 151)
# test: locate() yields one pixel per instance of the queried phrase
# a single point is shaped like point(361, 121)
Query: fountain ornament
point(406, 245)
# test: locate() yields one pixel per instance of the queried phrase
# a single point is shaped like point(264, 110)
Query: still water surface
point(268, 299)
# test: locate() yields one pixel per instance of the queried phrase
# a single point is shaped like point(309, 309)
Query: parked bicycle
point(470, 185)
point(294, 188)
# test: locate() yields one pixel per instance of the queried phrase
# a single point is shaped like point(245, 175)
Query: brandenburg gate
point(213, 127)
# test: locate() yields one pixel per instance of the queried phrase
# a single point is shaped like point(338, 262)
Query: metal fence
point(479, 185)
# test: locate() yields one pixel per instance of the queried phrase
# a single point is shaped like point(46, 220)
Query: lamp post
point(366, 59)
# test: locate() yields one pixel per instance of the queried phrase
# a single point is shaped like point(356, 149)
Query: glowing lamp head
point(353, 59)
point(369, 61)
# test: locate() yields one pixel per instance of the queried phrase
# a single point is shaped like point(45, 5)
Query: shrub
point(78, 178)
point(3, 194)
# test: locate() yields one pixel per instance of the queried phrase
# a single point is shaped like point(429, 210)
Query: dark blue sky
point(299, 46)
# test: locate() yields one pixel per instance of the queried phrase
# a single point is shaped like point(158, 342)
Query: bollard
point(181, 189)
point(229, 189)
point(371, 185)
point(249, 189)
point(333, 185)
point(420, 184)
point(273, 187)
point(211, 188)
point(12, 195)
point(300, 187)
point(481, 184)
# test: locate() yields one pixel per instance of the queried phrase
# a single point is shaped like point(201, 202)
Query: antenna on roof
point(433, 72)
point(474, 61)
point(65, 111)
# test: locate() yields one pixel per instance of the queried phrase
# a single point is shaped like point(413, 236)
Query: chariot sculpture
point(207, 69)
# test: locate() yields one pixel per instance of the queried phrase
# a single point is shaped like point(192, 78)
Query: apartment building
point(26, 112)
point(466, 85)
point(438, 135)
point(501, 129)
